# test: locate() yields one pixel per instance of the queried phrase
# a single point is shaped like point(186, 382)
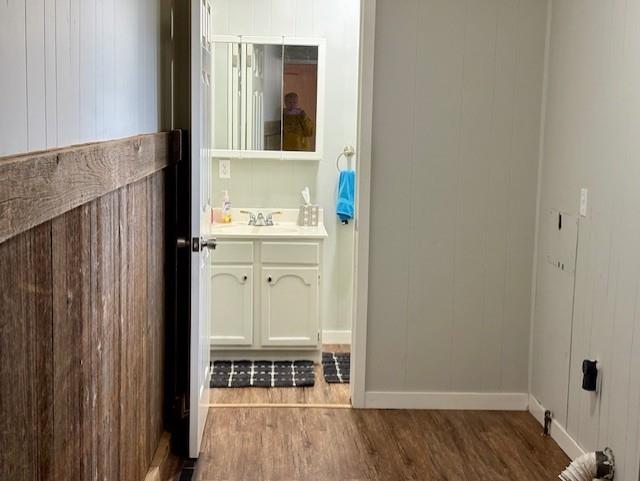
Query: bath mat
point(227, 374)
point(336, 367)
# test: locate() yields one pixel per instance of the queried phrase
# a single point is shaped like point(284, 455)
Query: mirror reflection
point(264, 84)
point(300, 86)
point(265, 97)
point(226, 96)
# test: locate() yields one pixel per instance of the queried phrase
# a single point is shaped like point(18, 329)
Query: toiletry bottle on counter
point(226, 208)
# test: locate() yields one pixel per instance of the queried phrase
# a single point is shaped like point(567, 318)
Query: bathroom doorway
point(282, 88)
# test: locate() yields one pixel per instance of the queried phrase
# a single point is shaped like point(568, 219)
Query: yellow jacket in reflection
point(297, 129)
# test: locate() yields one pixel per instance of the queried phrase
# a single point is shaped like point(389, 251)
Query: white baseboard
point(336, 337)
point(469, 401)
point(558, 433)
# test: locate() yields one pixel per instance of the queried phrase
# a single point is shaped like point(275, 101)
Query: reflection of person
point(298, 127)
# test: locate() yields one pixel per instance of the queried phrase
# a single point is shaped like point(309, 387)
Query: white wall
point(77, 71)
point(457, 96)
point(591, 140)
point(275, 183)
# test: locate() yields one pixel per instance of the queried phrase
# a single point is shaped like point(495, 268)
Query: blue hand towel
point(345, 205)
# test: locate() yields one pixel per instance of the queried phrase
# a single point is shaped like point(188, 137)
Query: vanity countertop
point(285, 226)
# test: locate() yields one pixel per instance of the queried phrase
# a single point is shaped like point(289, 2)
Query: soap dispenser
point(226, 208)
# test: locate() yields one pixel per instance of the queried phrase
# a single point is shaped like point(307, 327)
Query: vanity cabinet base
point(265, 299)
point(262, 354)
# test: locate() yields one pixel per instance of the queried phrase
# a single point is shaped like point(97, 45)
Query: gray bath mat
point(226, 374)
point(336, 367)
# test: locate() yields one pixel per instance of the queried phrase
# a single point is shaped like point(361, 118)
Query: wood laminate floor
point(305, 444)
point(321, 393)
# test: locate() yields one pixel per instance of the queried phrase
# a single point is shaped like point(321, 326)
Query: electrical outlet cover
point(224, 169)
point(583, 202)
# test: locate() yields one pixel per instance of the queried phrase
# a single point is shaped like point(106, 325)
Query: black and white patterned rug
point(336, 367)
point(262, 374)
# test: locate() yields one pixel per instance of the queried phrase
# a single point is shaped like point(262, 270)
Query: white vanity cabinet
point(265, 294)
point(290, 293)
point(232, 313)
point(232, 280)
point(290, 315)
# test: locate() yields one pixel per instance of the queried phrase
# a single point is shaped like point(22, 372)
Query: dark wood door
point(178, 300)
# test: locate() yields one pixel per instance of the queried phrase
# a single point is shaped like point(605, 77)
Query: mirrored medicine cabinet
point(268, 97)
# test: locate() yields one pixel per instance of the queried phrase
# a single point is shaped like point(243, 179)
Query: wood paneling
point(82, 340)
point(348, 444)
point(26, 345)
point(72, 343)
point(105, 286)
point(590, 141)
point(78, 71)
point(39, 186)
point(457, 97)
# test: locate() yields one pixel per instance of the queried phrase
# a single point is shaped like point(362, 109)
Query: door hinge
point(176, 145)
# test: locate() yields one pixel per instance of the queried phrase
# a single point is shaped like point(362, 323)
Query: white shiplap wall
point(74, 71)
point(591, 140)
point(457, 100)
point(277, 184)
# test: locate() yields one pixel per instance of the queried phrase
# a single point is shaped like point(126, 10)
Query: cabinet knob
point(269, 279)
point(244, 278)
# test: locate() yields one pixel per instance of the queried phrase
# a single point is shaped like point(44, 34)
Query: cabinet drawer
point(228, 252)
point(291, 253)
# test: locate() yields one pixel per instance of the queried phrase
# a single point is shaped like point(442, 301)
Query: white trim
point(336, 337)
point(226, 38)
point(270, 39)
point(558, 433)
point(541, 143)
point(447, 400)
point(198, 373)
point(363, 195)
point(265, 154)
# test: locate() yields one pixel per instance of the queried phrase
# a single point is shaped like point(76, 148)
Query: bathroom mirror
point(300, 98)
point(268, 97)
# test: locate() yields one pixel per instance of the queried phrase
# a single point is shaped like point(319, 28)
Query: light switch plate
point(224, 168)
point(583, 202)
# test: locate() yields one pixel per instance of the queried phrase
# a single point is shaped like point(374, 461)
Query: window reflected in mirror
point(300, 89)
point(226, 93)
point(264, 85)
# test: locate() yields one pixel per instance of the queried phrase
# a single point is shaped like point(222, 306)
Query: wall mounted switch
point(224, 168)
point(583, 202)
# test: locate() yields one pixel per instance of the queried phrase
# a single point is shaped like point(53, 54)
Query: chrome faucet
point(252, 217)
point(260, 219)
point(269, 219)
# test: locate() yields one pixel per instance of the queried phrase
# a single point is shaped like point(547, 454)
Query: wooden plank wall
point(82, 340)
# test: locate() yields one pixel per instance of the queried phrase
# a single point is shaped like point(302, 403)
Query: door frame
point(363, 204)
point(199, 213)
point(363, 191)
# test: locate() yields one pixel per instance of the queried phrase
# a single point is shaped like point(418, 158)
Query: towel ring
point(347, 152)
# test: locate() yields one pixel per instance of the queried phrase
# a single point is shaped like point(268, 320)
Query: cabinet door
point(232, 313)
point(290, 310)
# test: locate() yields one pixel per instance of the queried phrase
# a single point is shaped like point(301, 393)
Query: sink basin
point(285, 227)
point(237, 229)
